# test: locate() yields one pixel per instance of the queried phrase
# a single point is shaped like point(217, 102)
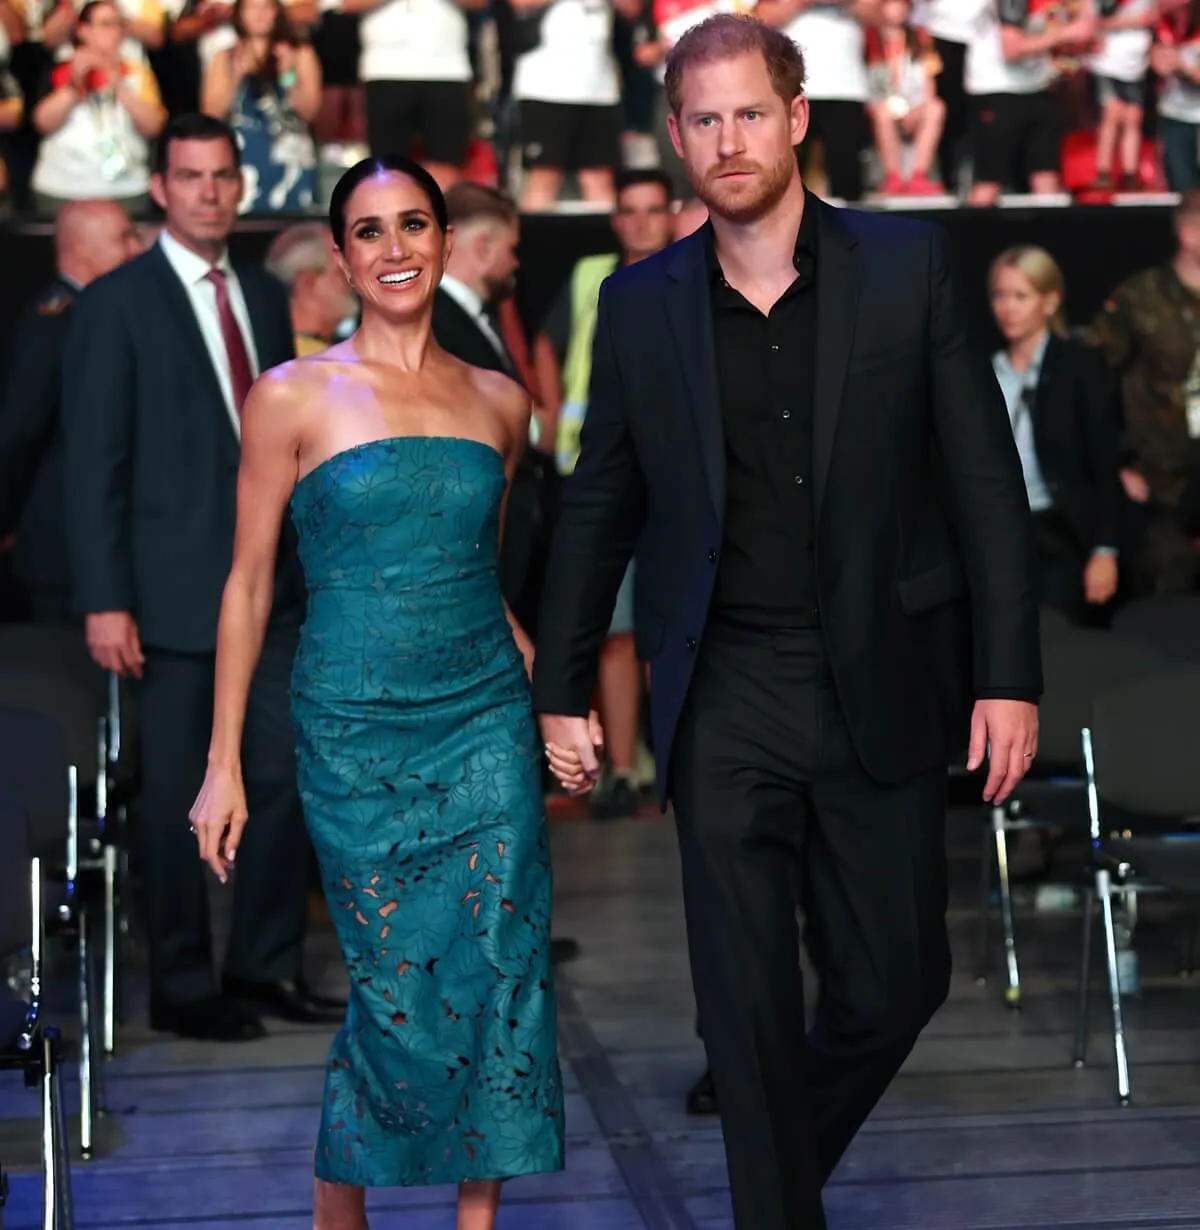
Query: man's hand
point(572, 746)
point(1006, 731)
point(1100, 578)
point(113, 642)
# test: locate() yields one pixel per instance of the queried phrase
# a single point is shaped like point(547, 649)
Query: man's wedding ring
point(1028, 755)
point(191, 828)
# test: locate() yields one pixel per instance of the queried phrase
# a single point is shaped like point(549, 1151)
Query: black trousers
point(1058, 566)
point(775, 813)
point(269, 884)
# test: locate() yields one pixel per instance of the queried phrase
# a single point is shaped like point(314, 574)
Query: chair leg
point(1012, 992)
point(56, 1153)
point(1104, 891)
point(91, 1078)
point(1085, 976)
point(984, 951)
point(110, 949)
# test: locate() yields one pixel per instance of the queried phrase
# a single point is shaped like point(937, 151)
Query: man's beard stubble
point(742, 201)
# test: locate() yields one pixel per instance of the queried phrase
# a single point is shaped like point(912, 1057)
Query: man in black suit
point(480, 274)
point(833, 585)
point(91, 238)
point(163, 353)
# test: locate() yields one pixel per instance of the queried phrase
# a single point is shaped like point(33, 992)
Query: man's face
point(737, 137)
point(642, 221)
point(200, 191)
point(502, 263)
point(332, 295)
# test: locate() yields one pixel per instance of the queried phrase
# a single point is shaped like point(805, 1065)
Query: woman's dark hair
point(264, 79)
point(85, 13)
point(382, 165)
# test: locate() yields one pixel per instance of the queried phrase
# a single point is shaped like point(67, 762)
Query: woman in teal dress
point(418, 756)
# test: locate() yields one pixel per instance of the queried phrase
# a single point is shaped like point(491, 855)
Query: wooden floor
point(989, 1126)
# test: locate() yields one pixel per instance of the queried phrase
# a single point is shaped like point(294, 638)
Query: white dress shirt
point(192, 271)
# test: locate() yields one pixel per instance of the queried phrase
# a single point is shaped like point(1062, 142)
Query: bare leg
point(444, 173)
point(337, 1206)
point(596, 185)
point(541, 188)
point(1106, 138)
point(478, 1200)
point(1131, 139)
point(887, 139)
point(929, 124)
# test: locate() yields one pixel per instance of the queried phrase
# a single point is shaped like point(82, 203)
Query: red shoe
point(892, 185)
point(922, 185)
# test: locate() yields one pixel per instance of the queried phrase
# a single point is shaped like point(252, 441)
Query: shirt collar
point(804, 255)
point(463, 295)
point(190, 267)
point(1033, 372)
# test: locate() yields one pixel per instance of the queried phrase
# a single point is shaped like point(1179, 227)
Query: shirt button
point(773, 346)
point(712, 557)
point(798, 480)
point(691, 644)
point(787, 414)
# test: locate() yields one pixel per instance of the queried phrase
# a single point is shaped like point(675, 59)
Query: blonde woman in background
point(1064, 407)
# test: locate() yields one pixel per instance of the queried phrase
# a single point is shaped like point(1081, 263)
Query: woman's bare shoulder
point(504, 394)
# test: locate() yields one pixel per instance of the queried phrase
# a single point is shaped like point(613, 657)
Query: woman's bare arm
point(266, 476)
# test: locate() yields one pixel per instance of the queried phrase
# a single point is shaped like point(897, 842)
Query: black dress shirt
point(766, 578)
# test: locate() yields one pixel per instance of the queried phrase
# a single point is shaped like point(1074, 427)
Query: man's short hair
point(300, 248)
point(635, 177)
point(193, 127)
point(727, 35)
point(467, 202)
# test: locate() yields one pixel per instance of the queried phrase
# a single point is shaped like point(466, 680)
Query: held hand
point(113, 642)
point(218, 818)
point(572, 747)
point(1006, 731)
point(1135, 485)
point(285, 58)
point(1100, 578)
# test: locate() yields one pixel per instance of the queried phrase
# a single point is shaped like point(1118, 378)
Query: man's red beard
point(744, 200)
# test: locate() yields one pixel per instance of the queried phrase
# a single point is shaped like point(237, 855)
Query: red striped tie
point(240, 371)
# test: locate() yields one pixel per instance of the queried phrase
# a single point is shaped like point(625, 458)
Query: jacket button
point(712, 557)
point(691, 644)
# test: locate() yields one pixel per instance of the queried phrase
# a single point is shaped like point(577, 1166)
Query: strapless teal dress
point(419, 770)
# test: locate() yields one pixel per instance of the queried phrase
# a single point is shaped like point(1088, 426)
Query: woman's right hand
point(219, 817)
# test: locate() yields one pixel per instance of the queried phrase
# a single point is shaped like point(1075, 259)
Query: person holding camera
point(97, 116)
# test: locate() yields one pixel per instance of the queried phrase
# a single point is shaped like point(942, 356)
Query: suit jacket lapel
point(689, 310)
point(839, 279)
point(174, 300)
point(256, 306)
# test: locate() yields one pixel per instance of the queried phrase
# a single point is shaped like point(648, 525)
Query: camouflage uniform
point(1150, 333)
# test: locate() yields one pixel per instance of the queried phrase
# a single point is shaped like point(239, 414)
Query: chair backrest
point(16, 856)
point(1169, 622)
point(1077, 665)
point(1146, 743)
point(33, 770)
point(75, 708)
point(58, 651)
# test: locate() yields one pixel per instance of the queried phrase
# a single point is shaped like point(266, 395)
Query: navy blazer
point(923, 549)
point(152, 457)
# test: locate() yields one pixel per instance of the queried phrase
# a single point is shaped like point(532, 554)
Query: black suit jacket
point(1076, 435)
point(31, 447)
point(152, 457)
point(532, 498)
point(456, 332)
point(922, 541)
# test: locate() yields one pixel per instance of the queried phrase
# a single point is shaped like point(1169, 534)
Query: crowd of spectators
point(967, 99)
